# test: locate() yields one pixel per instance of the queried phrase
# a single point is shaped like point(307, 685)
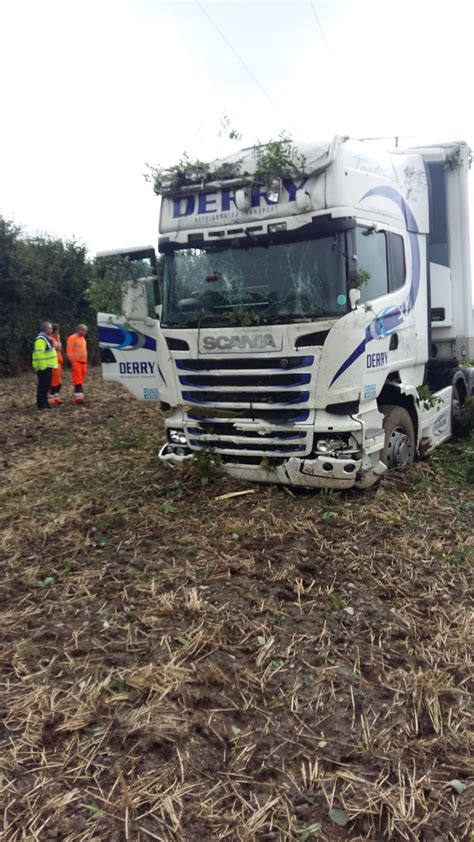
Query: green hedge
point(40, 278)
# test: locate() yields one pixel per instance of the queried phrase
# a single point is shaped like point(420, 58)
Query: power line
point(319, 25)
point(265, 93)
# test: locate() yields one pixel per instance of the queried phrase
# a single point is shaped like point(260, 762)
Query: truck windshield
point(256, 281)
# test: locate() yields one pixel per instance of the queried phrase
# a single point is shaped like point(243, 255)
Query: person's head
point(47, 328)
point(55, 329)
point(81, 330)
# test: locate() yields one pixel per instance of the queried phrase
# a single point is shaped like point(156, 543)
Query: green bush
point(40, 278)
point(463, 423)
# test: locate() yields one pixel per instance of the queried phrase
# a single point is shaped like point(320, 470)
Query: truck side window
point(372, 263)
point(397, 262)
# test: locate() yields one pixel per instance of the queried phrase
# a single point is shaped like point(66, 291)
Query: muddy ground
point(185, 667)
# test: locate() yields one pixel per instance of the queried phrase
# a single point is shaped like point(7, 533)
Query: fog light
point(177, 437)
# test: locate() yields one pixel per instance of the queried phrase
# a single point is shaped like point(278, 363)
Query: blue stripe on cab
point(119, 337)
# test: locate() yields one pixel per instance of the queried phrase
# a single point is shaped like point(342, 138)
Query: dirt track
point(180, 667)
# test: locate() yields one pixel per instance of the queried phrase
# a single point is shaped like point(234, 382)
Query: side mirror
point(354, 297)
point(136, 300)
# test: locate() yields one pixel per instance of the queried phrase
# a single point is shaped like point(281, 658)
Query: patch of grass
point(337, 604)
point(209, 569)
point(119, 686)
point(241, 533)
point(127, 437)
point(168, 508)
point(175, 490)
point(208, 464)
point(95, 811)
point(456, 459)
point(461, 558)
point(67, 439)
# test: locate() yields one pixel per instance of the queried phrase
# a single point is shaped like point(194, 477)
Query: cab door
point(133, 350)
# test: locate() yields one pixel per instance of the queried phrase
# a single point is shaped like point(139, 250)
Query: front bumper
point(319, 472)
point(287, 454)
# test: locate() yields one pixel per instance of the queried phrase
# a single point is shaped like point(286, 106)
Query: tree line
point(40, 278)
point(43, 278)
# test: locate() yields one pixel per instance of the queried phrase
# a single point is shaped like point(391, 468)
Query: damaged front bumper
point(319, 472)
point(337, 451)
point(322, 471)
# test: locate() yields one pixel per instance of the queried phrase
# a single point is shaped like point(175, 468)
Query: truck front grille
point(232, 436)
point(246, 381)
point(245, 398)
point(239, 407)
point(245, 363)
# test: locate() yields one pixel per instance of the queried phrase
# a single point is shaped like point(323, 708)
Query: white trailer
point(298, 321)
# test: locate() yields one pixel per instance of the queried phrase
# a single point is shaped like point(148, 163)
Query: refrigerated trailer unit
point(311, 331)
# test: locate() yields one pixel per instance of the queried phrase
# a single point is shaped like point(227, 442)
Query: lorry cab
point(300, 320)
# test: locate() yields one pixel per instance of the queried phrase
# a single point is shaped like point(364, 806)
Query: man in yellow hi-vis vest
point(44, 359)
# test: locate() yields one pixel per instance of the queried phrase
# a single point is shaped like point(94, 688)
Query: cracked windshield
point(245, 283)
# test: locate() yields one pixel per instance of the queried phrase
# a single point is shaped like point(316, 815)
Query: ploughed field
point(177, 664)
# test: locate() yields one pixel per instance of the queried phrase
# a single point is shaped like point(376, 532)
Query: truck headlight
point(329, 445)
point(177, 437)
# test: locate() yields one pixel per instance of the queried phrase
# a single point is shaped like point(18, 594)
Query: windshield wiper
point(258, 241)
point(287, 318)
point(230, 307)
point(248, 233)
point(213, 318)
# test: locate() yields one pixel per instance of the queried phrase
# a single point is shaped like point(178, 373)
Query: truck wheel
point(399, 448)
point(456, 403)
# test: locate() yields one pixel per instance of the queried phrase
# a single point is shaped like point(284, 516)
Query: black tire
point(400, 445)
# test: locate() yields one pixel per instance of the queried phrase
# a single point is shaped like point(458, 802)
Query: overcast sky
point(92, 90)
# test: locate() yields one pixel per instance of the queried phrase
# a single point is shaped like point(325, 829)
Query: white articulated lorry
point(297, 322)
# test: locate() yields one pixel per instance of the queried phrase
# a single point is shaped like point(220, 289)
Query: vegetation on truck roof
point(278, 158)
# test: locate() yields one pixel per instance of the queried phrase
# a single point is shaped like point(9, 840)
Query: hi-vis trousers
point(79, 372)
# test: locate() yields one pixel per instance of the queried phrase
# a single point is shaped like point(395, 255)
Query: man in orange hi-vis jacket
point(54, 398)
point(76, 352)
